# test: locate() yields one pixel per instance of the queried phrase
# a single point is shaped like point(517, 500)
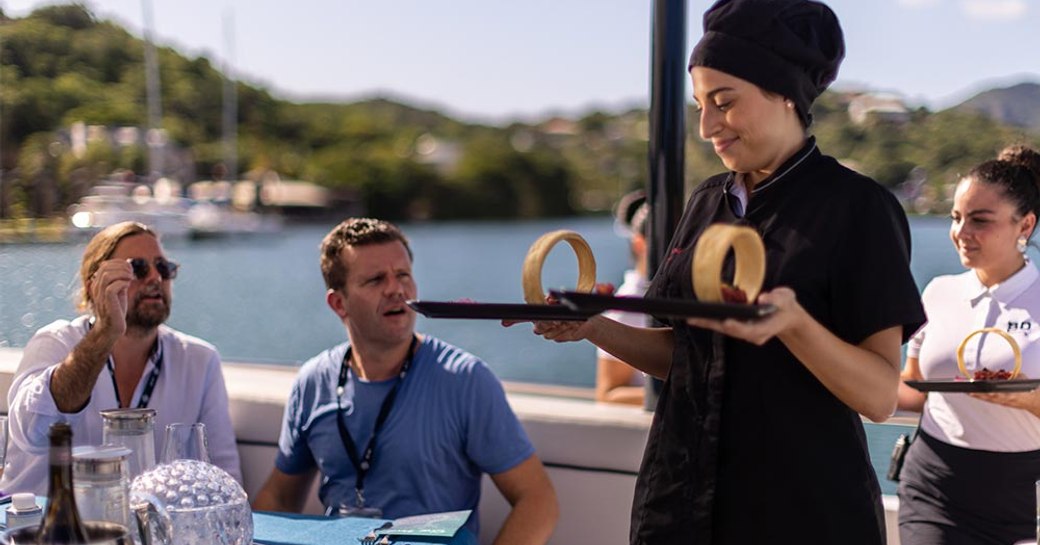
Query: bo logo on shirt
point(1019, 326)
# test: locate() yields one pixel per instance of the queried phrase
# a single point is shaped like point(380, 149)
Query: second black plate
point(496, 311)
point(671, 308)
point(974, 385)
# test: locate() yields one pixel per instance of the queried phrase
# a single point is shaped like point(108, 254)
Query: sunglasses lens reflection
point(167, 269)
point(140, 267)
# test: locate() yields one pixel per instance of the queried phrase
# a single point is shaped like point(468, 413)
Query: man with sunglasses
point(118, 354)
point(396, 422)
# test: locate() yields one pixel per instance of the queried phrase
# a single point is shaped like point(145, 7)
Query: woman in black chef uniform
point(757, 436)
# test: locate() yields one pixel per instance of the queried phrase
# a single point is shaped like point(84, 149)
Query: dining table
point(271, 528)
point(294, 529)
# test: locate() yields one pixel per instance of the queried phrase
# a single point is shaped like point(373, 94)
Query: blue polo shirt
point(449, 424)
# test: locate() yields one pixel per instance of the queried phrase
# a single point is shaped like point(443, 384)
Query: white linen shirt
point(190, 389)
point(956, 306)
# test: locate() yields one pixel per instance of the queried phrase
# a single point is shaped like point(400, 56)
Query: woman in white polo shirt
point(968, 478)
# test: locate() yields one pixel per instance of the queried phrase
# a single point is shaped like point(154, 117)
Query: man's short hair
point(354, 232)
point(101, 248)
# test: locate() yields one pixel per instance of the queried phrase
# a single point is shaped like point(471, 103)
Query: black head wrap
point(789, 47)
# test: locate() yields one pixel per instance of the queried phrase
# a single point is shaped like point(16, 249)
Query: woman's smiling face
point(752, 131)
point(985, 228)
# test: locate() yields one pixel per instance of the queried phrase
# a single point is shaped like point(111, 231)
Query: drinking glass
point(185, 442)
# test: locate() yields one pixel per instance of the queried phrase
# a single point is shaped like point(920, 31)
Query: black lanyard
point(149, 386)
point(146, 394)
point(153, 377)
point(364, 462)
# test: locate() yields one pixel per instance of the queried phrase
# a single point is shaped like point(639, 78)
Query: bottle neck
point(62, 522)
point(61, 463)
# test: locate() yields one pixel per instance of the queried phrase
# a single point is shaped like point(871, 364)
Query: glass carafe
point(102, 488)
point(101, 483)
point(135, 430)
point(206, 505)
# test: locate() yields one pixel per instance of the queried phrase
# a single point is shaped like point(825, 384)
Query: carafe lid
point(105, 462)
point(128, 419)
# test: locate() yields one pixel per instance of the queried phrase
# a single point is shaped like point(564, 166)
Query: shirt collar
point(738, 190)
point(789, 165)
point(1007, 290)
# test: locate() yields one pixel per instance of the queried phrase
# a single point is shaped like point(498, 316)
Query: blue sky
point(494, 60)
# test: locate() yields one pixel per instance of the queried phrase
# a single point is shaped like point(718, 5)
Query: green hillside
point(60, 68)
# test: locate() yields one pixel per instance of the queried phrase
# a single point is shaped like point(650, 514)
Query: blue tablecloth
point(291, 529)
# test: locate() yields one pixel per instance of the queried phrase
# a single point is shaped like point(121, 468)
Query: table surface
point(292, 529)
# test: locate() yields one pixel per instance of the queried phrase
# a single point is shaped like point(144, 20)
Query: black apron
point(962, 496)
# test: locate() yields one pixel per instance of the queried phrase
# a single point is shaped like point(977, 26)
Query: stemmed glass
point(185, 442)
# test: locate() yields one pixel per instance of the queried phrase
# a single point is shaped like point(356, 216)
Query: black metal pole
point(667, 135)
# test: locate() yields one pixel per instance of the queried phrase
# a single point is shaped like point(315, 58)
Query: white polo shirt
point(956, 306)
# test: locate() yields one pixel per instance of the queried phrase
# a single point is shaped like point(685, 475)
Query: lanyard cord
point(153, 377)
point(363, 462)
point(149, 386)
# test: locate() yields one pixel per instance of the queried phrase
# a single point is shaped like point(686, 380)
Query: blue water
point(262, 298)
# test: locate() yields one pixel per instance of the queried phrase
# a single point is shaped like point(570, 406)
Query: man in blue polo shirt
point(399, 423)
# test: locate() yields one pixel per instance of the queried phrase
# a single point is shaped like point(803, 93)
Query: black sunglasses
point(167, 269)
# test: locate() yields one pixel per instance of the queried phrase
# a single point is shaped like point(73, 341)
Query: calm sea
point(261, 299)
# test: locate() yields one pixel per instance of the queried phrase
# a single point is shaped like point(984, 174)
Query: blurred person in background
point(616, 381)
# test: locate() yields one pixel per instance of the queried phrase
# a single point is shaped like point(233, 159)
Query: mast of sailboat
point(230, 102)
point(154, 138)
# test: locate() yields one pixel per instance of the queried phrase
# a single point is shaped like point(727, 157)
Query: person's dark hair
point(631, 213)
point(100, 248)
point(1017, 171)
point(354, 232)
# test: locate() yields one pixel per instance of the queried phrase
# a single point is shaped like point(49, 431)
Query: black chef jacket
point(747, 446)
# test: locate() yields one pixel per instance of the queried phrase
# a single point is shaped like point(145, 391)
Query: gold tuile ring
point(1008, 338)
point(532, 272)
point(710, 253)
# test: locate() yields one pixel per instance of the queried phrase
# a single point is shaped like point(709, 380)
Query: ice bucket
point(99, 533)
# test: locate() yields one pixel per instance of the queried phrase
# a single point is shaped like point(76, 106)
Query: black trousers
point(951, 495)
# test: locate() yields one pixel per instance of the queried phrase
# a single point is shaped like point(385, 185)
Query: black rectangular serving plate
point(974, 385)
point(669, 308)
point(496, 311)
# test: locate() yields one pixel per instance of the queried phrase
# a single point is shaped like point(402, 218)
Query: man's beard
point(147, 316)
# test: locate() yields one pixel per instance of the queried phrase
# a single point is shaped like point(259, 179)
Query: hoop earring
point(1022, 244)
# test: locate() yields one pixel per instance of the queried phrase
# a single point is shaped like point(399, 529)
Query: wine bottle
point(61, 523)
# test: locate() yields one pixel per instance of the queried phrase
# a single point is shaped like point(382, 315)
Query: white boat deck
point(592, 451)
